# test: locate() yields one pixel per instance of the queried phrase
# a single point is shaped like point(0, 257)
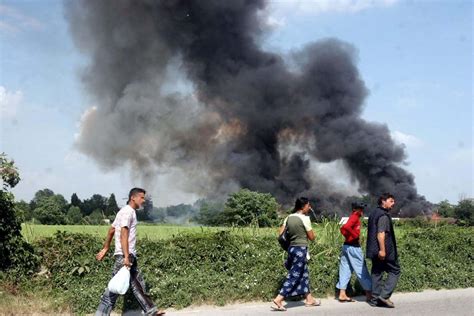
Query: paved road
point(429, 303)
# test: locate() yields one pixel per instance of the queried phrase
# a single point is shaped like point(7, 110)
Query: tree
point(51, 210)
point(180, 210)
point(97, 201)
point(445, 209)
point(209, 213)
point(464, 211)
point(95, 218)
point(74, 215)
point(15, 252)
point(23, 211)
point(246, 207)
point(145, 213)
point(75, 201)
point(112, 207)
point(40, 195)
point(158, 214)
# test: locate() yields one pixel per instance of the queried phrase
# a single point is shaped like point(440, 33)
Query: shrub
point(246, 207)
point(221, 267)
point(17, 256)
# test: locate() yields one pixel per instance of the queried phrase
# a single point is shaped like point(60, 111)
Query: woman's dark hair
point(300, 203)
point(133, 192)
point(384, 197)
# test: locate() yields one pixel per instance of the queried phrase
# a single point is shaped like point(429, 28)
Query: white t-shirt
point(126, 217)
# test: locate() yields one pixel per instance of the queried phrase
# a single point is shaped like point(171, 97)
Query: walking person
point(124, 228)
point(382, 249)
point(297, 280)
point(352, 258)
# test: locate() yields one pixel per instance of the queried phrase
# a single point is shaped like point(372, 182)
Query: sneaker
point(386, 302)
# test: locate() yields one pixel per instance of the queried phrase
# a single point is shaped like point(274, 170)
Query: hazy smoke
point(184, 85)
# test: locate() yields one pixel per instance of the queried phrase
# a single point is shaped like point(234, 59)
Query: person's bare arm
point(124, 243)
point(108, 239)
point(310, 234)
point(381, 240)
point(281, 229)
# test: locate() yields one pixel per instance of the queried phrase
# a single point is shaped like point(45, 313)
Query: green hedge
point(222, 267)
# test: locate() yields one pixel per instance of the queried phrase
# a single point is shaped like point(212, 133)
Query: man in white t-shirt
point(124, 228)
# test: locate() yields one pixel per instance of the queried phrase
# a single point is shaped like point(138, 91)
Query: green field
point(326, 232)
point(34, 232)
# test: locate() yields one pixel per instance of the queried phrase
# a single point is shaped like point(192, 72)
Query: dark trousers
point(137, 284)
point(379, 287)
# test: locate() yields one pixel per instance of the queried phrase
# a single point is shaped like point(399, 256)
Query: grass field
point(327, 232)
point(33, 232)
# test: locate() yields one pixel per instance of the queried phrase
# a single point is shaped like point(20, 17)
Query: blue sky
point(415, 57)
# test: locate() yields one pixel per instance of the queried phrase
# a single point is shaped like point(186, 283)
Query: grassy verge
point(16, 301)
point(222, 266)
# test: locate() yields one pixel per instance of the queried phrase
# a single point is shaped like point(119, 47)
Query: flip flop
point(160, 312)
point(347, 300)
point(278, 308)
point(315, 303)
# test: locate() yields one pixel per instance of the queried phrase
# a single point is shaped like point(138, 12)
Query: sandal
point(313, 304)
point(278, 308)
point(347, 300)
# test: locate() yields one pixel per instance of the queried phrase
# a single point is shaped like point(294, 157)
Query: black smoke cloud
point(246, 117)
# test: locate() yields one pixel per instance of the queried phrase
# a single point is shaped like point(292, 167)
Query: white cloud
point(407, 139)
point(314, 7)
point(9, 103)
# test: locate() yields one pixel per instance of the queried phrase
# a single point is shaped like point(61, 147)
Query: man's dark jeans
point(380, 288)
point(137, 285)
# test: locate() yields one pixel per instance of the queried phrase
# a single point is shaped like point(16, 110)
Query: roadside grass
point(20, 302)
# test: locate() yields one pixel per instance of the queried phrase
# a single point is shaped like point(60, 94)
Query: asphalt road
point(430, 303)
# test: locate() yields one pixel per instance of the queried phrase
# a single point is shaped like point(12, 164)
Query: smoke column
point(245, 117)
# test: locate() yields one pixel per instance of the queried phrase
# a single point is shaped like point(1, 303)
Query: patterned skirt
point(297, 280)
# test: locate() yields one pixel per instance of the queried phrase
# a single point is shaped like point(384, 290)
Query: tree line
point(50, 208)
point(241, 208)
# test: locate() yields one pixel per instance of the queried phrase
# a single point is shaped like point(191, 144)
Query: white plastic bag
point(120, 282)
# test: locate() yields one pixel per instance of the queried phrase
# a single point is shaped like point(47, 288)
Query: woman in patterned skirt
point(297, 280)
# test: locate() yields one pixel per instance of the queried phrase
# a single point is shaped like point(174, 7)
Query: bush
point(17, 256)
point(74, 215)
point(246, 207)
point(223, 267)
point(464, 211)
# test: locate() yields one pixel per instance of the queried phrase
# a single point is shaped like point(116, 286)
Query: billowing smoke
point(185, 86)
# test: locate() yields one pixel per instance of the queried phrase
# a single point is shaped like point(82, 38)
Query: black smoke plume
point(185, 86)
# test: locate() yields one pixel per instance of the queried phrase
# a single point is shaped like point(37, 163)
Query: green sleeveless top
point(298, 225)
